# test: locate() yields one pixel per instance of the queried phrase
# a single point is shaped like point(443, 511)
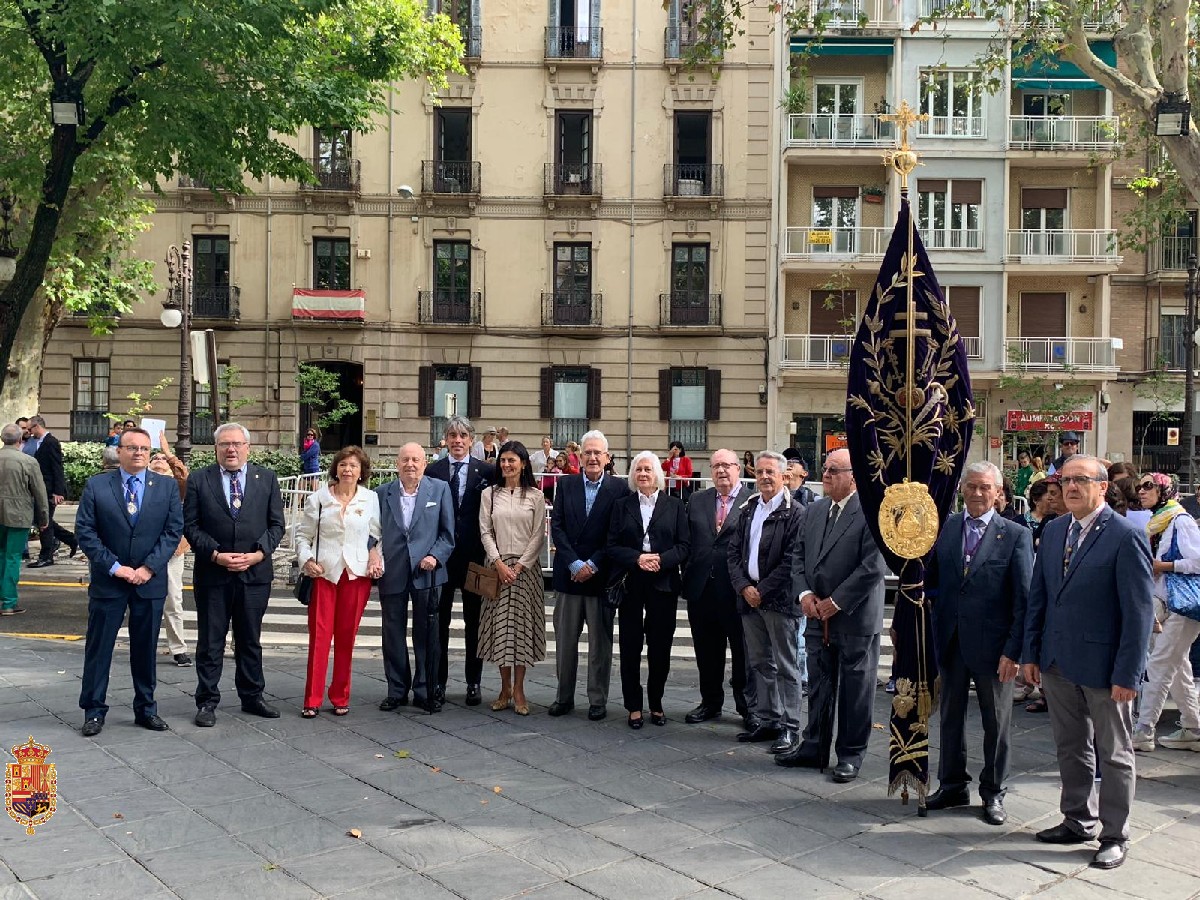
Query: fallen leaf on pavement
point(401, 754)
point(496, 789)
point(354, 833)
point(118, 815)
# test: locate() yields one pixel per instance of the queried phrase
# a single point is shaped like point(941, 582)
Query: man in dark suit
point(129, 524)
point(50, 460)
point(233, 518)
point(579, 529)
point(417, 518)
point(711, 600)
point(981, 569)
point(837, 574)
point(467, 478)
point(1086, 633)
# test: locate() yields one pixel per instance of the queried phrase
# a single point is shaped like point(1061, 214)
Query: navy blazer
point(668, 533)
point(779, 532)
point(708, 553)
point(108, 535)
point(210, 527)
point(985, 604)
point(578, 535)
point(430, 533)
point(1094, 622)
point(50, 460)
point(468, 545)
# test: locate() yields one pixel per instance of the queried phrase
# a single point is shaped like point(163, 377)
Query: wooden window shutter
point(1043, 314)
point(546, 393)
point(712, 394)
point(475, 392)
point(825, 192)
point(829, 320)
point(425, 379)
point(664, 394)
point(931, 186)
point(1043, 198)
point(964, 305)
point(593, 402)
point(969, 192)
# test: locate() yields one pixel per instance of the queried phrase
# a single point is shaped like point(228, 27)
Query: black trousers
point(105, 615)
point(995, 709)
point(646, 617)
point(217, 608)
point(716, 624)
point(847, 668)
point(471, 606)
point(52, 534)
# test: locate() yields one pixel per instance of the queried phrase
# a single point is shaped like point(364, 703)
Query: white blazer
point(344, 541)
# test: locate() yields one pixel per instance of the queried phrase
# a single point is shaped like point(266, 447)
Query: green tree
point(209, 88)
point(320, 390)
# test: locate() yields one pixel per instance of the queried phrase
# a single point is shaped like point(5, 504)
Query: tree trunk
point(19, 392)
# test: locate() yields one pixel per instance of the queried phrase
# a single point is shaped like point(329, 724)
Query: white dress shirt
point(764, 509)
point(646, 506)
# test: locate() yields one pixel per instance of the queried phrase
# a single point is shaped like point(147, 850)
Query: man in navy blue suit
point(129, 524)
point(981, 570)
point(1086, 633)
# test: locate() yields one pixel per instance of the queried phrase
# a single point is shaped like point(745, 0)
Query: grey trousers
point(995, 709)
point(1089, 727)
point(772, 651)
point(571, 613)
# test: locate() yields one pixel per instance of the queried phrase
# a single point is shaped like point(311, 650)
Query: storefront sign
point(1032, 420)
point(1172, 437)
point(836, 441)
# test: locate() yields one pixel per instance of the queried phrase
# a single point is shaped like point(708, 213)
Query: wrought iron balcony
point(694, 308)
point(203, 429)
point(678, 40)
point(472, 38)
point(1166, 353)
point(693, 180)
point(216, 301)
point(571, 308)
point(580, 42)
point(444, 177)
point(692, 433)
point(89, 425)
point(1170, 254)
point(442, 306)
point(564, 430)
point(826, 130)
point(573, 179)
point(1063, 132)
point(193, 183)
point(336, 174)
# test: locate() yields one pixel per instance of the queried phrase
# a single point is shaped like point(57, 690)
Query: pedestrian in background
point(23, 502)
point(167, 464)
point(48, 453)
point(310, 453)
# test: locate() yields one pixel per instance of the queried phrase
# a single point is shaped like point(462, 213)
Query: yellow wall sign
point(30, 786)
point(820, 237)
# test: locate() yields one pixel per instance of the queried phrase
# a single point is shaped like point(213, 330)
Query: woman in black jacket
point(647, 543)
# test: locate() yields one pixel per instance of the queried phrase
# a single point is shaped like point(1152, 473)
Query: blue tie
point(235, 494)
point(1072, 540)
point(131, 502)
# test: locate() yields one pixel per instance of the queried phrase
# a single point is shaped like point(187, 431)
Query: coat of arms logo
point(30, 786)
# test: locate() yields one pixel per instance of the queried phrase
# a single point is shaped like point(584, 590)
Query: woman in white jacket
point(1168, 669)
point(333, 546)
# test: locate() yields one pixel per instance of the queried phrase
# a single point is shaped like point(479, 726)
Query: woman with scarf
point(310, 453)
point(1168, 670)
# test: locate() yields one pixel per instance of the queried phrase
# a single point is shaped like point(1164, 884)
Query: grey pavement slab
point(474, 804)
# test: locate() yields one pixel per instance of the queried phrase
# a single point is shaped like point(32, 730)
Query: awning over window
point(830, 47)
point(1049, 74)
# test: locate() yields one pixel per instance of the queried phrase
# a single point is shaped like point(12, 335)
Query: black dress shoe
point(659, 719)
point(788, 741)
point(152, 723)
point(430, 706)
point(440, 694)
point(74, 548)
point(390, 704)
point(702, 713)
point(206, 716)
point(637, 723)
point(596, 713)
point(759, 735)
point(41, 563)
point(259, 707)
point(92, 727)
point(750, 721)
point(798, 758)
point(558, 708)
point(993, 811)
point(1062, 833)
point(1110, 855)
point(474, 695)
point(947, 798)
point(844, 772)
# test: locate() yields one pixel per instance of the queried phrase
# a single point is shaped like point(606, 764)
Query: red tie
point(722, 509)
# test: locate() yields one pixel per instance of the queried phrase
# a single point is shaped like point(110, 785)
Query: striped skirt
point(512, 628)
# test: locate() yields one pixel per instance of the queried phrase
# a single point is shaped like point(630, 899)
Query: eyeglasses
point(725, 465)
point(227, 445)
point(1080, 480)
point(1147, 486)
point(834, 470)
point(132, 449)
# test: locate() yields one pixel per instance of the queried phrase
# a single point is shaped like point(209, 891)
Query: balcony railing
point(1170, 254)
point(1169, 353)
point(1062, 132)
point(337, 174)
point(943, 7)
point(953, 126)
point(974, 346)
point(816, 351)
point(203, 430)
point(689, 308)
point(953, 239)
point(1081, 354)
point(573, 179)
point(678, 40)
point(574, 42)
point(192, 183)
point(1100, 17)
point(807, 242)
point(1076, 246)
point(89, 425)
point(439, 176)
point(216, 301)
point(564, 430)
point(692, 433)
point(446, 307)
point(854, 13)
point(693, 180)
point(579, 309)
point(472, 38)
point(827, 130)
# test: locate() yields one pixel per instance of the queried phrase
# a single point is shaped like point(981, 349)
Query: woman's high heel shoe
point(504, 701)
point(657, 718)
point(637, 723)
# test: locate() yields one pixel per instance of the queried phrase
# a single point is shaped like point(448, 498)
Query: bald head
point(725, 470)
point(410, 463)
point(837, 477)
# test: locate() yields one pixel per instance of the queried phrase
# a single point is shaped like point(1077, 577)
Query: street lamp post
point(1187, 432)
point(177, 313)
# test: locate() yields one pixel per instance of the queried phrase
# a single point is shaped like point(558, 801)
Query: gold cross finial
point(903, 159)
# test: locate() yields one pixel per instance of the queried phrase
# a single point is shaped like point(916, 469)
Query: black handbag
point(614, 596)
point(305, 583)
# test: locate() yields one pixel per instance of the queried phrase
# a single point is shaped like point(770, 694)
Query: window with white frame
point(948, 213)
point(953, 100)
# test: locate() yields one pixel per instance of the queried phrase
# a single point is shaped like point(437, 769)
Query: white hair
point(659, 479)
point(595, 435)
point(778, 458)
point(1099, 470)
point(983, 467)
point(229, 426)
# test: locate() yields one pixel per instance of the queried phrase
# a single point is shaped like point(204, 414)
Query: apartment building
point(1015, 204)
point(574, 234)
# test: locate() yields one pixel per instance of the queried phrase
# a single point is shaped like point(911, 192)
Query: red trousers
point(334, 614)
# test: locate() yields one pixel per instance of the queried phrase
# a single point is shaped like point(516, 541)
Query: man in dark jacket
point(50, 460)
point(760, 555)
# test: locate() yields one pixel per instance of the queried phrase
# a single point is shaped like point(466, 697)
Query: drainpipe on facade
point(775, 189)
point(632, 236)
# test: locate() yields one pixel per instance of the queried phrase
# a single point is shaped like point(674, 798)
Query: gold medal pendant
point(237, 503)
point(908, 520)
point(132, 507)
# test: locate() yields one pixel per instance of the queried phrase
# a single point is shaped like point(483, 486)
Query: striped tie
point(1072, 540)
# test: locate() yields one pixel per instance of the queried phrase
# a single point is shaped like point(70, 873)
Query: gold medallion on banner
point(908, 520)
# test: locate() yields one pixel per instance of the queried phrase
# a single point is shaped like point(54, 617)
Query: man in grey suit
point(981, 568)
point(837, 574)
point(417, 519)
point(1086, 633)
point(24, 502)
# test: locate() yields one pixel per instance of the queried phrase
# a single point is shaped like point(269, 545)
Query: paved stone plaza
point(475, 804)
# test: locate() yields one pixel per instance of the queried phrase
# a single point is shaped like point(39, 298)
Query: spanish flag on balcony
point(329, 305)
